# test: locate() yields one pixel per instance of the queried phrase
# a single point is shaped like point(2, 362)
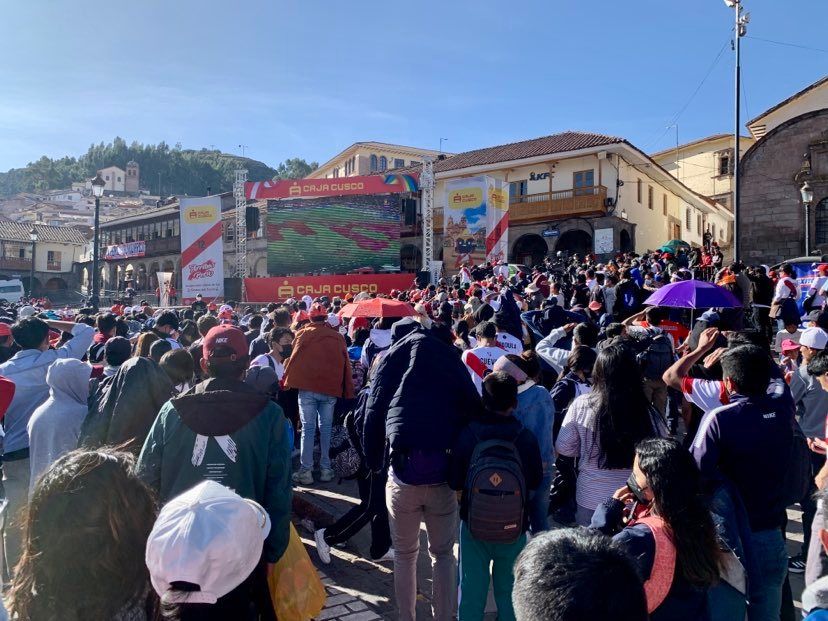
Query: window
point(336, 172)
point(582, 182)
point(229, 231)
point(688, 220)
point(821, 214)
point(724, 165)
point(107, 177)
point(413, 163)
point(53, 256)
point(22, 253)
point(374, 165)
point(398, 163)
point(175, 224)
point(650, 196)
point(517, 189)
point(383, 163)
point(664, 204)
point(639, 190)
point(119, 178)
point(698, 223)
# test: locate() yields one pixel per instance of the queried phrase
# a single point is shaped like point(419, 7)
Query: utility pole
point(739, 30)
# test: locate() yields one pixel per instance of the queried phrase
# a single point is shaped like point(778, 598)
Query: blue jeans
point(315, 408)
point(772, 562)
point(724, 603)
point(539, 506)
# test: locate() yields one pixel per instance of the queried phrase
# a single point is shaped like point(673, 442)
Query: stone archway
point(56, 284)
point(529, 249)
point(625, 241)
point(575, 241)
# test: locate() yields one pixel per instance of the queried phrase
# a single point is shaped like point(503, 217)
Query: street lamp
point(807, 198)
point(97, 190)
point(33, 237)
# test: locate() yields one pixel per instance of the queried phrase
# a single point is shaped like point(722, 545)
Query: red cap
point(5, 330)
point(317, 311)
point(224, 342)
point(595, 305)
point(301, 316)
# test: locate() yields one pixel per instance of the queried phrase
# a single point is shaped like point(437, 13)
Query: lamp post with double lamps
point(807, 198)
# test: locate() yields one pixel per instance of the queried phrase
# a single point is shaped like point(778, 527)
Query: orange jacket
point(319, 362)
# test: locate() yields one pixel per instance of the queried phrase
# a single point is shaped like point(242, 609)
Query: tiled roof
point(547, 145)
point(19, 231)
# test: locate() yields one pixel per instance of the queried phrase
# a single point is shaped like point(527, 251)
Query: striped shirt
point(480, 361)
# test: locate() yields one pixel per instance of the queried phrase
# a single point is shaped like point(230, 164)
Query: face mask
point(637, 490)
point(287, 350)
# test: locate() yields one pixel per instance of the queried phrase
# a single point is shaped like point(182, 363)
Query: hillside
point(181, 171)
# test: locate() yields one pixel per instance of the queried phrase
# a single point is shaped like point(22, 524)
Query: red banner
point(340, 186)
point(280, 289)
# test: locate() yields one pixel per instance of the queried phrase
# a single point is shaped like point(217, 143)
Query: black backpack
point(656, 355)
point(798, 475)
point(346, 449)
point(495, 490)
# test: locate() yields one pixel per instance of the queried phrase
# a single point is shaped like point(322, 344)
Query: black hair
point(206, 323)
point(499, 392)
point(748, 368)
point(360, 336)
point(674, 479)
point(386, 322)
point(614, 329)
point(572, 575)
point(275, 335)
point(486, 330)
point(188, 333)
point(580, 359)
point(527, 362)
point(105, 322)
point(117, 351)
point(30, 333)
point(255, 322)
point(747, 337)
point(818, 365)
point(654, 315)
point(159, 348)
point(585, 334)
point(621, 408)
point(787, 269)
point(281, 317)
point(178, 365)
point(167, 318)
point(462, 332)
point(121, 327)
point(228, 369)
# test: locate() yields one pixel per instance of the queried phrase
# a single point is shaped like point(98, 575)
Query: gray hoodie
point(55, 425)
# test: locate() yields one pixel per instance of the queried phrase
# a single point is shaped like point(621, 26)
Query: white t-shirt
point(266, 360)
point(508, 342)
point(480, 361)
point(786, 288)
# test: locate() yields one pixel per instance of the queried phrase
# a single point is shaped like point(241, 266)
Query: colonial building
point(56, 250)
point(791, 148)
point(567, 188)
point(364, 158)
point(113, 178)
point(705, 165)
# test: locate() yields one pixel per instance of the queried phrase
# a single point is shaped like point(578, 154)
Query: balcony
point(163, 245)
point(52, 266)
point(530, 208)
point(15, 263)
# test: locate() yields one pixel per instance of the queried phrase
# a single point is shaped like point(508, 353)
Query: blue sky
point(308, 78)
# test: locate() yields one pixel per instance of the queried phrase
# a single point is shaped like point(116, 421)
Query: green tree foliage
point(182, 171)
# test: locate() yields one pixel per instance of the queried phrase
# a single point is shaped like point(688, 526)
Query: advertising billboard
point(475, 222)
point(281, 289)
point(202, 266)
point(334, 235)
point(345, 186)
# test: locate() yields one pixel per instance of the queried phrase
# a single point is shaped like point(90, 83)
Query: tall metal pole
point(32, 271)
point(96, 248)
point(807, 228)
point(738, 33)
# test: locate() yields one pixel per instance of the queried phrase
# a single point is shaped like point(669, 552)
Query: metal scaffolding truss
point(241, 223)
point(427, 209)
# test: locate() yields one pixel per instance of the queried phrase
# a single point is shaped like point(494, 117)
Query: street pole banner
point(202, 266)
point(164, 281)
point(497, 221)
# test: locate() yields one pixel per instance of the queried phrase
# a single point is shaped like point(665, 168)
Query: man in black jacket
point(421, 397)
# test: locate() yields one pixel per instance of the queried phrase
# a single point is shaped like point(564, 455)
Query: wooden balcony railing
point(53, 266)
point(15, 263)
point(528, 208)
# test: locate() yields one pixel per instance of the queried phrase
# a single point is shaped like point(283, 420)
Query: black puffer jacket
point(421, 396)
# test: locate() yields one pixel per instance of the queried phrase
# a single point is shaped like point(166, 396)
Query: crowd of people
point(589, 453)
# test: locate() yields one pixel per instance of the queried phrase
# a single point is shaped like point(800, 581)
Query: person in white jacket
point(582, 334)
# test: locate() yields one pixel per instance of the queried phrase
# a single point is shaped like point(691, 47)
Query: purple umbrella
point(693, 294)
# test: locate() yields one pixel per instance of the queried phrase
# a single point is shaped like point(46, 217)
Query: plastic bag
point(295, 588)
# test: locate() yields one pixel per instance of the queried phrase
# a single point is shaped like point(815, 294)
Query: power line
point(681, 111)
point(786, 44)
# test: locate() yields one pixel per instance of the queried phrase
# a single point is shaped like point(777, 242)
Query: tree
point(295, 168)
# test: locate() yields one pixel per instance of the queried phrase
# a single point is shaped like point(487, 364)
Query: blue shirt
point(536, 412)
point(27, 369)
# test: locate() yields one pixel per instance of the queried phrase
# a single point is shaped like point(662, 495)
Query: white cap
point(209, 536)
point(225, 308)
point(815, 338)
point(26, 311)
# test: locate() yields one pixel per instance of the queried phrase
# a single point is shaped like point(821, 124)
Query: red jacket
point(319, 362)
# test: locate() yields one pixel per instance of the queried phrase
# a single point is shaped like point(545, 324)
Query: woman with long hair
point(145, 341)
point(86, 534)
point(601, 428)
point(668, 531)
